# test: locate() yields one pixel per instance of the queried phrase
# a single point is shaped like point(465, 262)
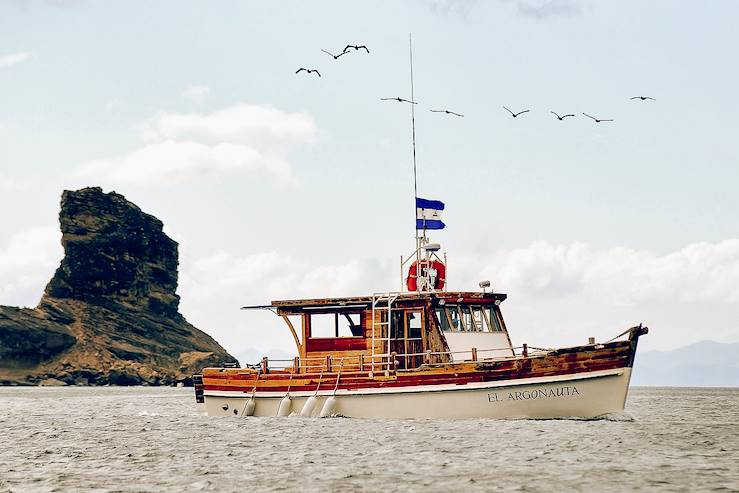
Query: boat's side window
point(454, 318)
point(413, 321)
point(396, 325)
point(477, 320)
point(441, 316)
point(493, 320)
point(466, 318)
point(354, 323)
point(468, 321)
point(335, 325)
point(450, 318)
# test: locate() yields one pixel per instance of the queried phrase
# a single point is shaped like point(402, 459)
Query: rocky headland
point(110, 314)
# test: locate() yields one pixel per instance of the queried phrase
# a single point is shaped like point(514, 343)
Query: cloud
point(9, 60)
point(559, 293)
point(261, 277)
point(66, 4)
point(8, 184)
point(181, 147)
point(261, 127)
point(542, 9)
point(27, 262)
point(61, 4)
point(700, 272)
point(172, 162)
point(214, 287)
point(461, 8)
point(114, 105)
point(196, 94)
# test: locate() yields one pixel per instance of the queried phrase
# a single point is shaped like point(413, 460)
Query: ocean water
point(151, 439)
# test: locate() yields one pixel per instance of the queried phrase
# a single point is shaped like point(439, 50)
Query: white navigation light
point(484, 285)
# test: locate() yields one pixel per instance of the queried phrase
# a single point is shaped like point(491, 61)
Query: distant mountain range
point(703, 364)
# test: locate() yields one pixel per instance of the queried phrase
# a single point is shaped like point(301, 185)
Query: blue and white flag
point(428, 214)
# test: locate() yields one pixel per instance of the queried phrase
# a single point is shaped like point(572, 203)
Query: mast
point(413, 144)
point(422, 263)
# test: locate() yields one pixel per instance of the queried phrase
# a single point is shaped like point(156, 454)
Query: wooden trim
point(448, 319)
point(472, 317)
point(414, 297)
point(460, 314)
point(565, 361)
point(292, 331)
point(486, 318)
point(406, 322)
point(499, 314)
point(424, 326)
point(314, 344)
point(305, 323)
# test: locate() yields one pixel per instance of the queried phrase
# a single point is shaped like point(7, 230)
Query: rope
point(622, 334)
point(319, 384)
point(253, 391)
point(338, 376)
point(289, 384)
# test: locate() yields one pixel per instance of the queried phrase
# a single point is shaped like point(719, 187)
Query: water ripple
point(151, 439)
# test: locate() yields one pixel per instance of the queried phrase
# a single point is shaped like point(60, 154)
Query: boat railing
point(391, 361)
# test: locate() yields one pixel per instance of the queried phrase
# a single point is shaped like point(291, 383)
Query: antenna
point(413, 123)
point(413, 141)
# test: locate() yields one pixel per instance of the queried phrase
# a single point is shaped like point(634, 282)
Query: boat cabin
point(395, 330)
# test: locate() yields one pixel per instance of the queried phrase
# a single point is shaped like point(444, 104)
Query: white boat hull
point(583, 395)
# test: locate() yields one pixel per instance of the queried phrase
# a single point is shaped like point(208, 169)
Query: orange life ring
point(411, 281)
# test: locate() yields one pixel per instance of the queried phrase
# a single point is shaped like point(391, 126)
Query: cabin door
point(406, 337)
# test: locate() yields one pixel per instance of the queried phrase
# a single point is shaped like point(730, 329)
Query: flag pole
point(413, 121)
point(415, 179)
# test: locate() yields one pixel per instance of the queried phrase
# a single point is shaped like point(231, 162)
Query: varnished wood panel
point(561, 362)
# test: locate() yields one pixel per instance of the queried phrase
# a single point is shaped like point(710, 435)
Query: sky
point(279, 185)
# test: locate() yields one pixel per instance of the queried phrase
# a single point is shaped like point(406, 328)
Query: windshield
point(468, 318)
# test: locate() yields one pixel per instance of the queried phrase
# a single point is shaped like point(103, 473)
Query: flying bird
point(400, 100)
point(596, 120)
point(514, 115)
point(560, 118)
point(643, 98)
point(308, 70)
point(336, 57)
point(445, 111)
point(356, 48)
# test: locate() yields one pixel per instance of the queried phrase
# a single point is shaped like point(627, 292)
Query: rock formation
point(110, 314)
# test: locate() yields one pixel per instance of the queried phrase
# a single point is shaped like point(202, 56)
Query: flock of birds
point(343, 52)
point(515, 114)
point(562, 117)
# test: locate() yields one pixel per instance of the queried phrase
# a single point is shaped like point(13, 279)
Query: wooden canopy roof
point(363, 302)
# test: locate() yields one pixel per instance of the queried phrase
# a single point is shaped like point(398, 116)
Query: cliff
point(110, 314)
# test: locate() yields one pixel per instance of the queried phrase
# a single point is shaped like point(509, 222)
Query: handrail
point(384, 362)
point(388, 362)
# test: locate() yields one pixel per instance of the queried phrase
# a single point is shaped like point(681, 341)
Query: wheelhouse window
point(468, 318)
point(406, 323)
point(326, 325)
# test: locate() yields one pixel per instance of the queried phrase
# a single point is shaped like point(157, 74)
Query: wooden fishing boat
point(420, 354)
